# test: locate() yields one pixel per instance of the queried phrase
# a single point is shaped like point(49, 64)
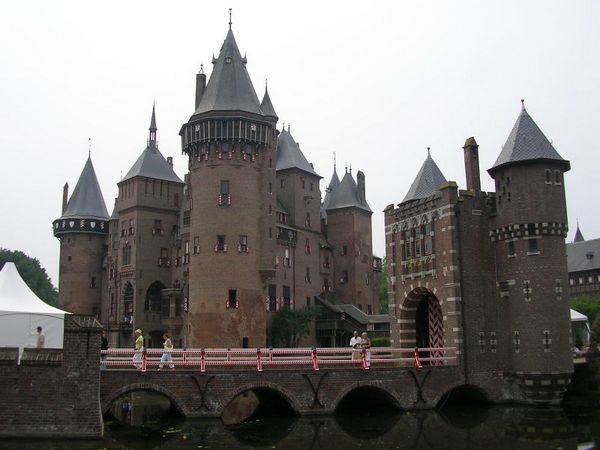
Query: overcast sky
point(375, 82)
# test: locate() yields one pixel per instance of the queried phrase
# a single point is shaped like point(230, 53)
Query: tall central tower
point(229, 217)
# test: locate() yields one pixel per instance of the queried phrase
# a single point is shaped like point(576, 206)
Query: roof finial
point(522, 103)
point(288, 127)
point(230, 18)
point(334, 161)
point(266, 84)
point(89, 147)
point(351, 169)
point(428, 152)
point(346, 167)
point(201, 69)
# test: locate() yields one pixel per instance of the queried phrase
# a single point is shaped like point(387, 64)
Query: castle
point(487, 272)
point(211, 257)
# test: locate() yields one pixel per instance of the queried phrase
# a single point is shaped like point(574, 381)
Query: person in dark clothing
point(103, 346)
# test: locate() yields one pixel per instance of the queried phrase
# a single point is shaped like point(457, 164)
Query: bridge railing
point(277, 358)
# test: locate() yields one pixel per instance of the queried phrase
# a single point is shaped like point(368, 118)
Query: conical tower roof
point(289, 155)
point(266, 106)
point(334, 183)
point(345, 195)
point(87, 201)
point(151, 163)
point(427, 182)
point(229, 87)
point(578, 235)
point(526, 142)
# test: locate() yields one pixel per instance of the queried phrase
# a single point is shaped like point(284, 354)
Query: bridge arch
point(467, 391)
point(148, 387)
point(393, 399)
point(268, 386)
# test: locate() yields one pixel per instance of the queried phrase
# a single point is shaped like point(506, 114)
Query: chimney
point(200, 86)
point(472, 165)
point(65, 197)
point(170, 161)
point(360, 181)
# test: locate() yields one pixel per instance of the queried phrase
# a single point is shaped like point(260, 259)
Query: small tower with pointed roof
point(146, 210)
point(528, 232)
point(82, 229)
point(230, 141)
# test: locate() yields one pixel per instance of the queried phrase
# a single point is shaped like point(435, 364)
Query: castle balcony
point(287, 236)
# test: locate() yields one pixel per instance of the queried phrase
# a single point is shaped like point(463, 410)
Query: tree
point(291, 325)
point(590, 306)
point(32, 273)
point(382, 289)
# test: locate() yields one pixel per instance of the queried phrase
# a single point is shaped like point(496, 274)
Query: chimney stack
point(65, 197)
point(200, 86)
point(472, 165)
point(360, 181)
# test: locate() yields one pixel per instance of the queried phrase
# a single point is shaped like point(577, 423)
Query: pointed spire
point(578, 235)
point(289, 155)
point(266, 105)
point(87, 200)
point(348, 195)
point(526, 142)
point(152, 135)
point(230, 18)
point(427, 182)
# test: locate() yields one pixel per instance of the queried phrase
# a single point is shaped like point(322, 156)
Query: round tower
point(529, 232)
point(230, 211)
point(82, 230)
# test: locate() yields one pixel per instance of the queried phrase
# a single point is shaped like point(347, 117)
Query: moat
point(147, 421)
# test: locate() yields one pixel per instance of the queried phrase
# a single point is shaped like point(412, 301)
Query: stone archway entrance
point(422, 322)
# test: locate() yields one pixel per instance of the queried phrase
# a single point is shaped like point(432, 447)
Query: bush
point(380, 341)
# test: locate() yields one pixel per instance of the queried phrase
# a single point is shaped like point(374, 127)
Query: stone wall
point(54, 393)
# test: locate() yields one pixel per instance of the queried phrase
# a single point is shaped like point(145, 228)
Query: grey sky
point(376, 82)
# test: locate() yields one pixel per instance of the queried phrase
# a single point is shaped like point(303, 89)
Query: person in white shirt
point(41, 339)
point(356, 344)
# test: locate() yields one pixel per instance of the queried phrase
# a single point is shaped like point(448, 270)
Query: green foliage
point(291, 325)
point(380, 341)
point(382, 289)
point(590, 306)
point(32, 273)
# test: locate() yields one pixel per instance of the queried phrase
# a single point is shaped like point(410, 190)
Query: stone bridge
point(306, 392)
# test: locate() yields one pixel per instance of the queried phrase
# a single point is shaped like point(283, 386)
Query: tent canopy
point(21, 312)
point(578, 317)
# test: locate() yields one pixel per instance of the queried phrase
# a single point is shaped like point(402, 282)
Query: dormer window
point(228, 60)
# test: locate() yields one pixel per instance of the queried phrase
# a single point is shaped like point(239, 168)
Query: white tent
point(580, 328)
point(21, 312)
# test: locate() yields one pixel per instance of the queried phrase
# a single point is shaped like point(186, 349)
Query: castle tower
point(82, 230)
point(349, 231)
point(297, 187)
point(143, 228)
point(230, 142)
point(529, 233)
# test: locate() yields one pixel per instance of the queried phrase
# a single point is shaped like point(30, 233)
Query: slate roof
point(335, 182)
point(267, 106)
point(583, 255)
point(289, 155)
point(151, 163)
point(229, 87)
point(346, 195)
point(86, 200)
point(427, 182)
point(526, 142)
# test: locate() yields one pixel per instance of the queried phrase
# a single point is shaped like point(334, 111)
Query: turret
point(82, 229)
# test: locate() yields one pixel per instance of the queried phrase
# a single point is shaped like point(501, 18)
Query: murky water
point(143, 421)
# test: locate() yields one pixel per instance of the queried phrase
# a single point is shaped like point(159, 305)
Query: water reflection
point(147, 422)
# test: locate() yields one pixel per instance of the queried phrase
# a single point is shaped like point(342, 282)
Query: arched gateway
point(422, 322)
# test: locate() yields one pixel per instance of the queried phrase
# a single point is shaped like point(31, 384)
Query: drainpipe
point(462, 302)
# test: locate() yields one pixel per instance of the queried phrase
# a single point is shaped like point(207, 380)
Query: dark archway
point(423, 324)
point(153, 300)
point(256, 402)
point(149, 388)
point(464, 407)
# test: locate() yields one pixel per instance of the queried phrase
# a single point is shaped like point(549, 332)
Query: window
point(307, 246)
point(547, 341)
point(571, 281)
point(163, 261)
point(126, 254)
point(176, 200)
point(493, 342)
point(311, 187)
point(533, 247)
point(287, 298)
point(286, 258)
point(303, 184)
point(270, 233)
point(307, 221)
point(157, 230)
point(112, 304)
point(272, 298)
point(558, 288)
point(344, 278)
point(270, 188)
point(531, 229)
point(243, 245)
point(178, 259)
point(517, 342)
point(326, 287)
point(326, 261)
point(417, 239)
point(186, 253)
point(221, 246)
point(527, 290)
point(131, 229)
point(93, 282)
point(511, 248)
point(367, 278)
point(481, 342)
point(270, 209)
point(557, 177)
point(224, 196)
point(196, 249)
point(504, 288)
point(232, 301)
point(427, 239)
point(307, 275)
point(548, 181)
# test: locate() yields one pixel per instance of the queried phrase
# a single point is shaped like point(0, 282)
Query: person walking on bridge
point(356, 344)
point(139, 348)
point(166, 356)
